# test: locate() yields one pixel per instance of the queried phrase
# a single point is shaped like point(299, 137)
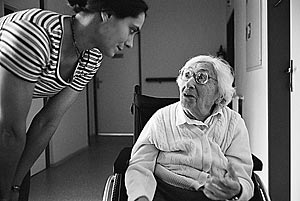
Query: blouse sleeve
point(24, 49)
point(88, 65)
point(139, 177)
point(239, 154)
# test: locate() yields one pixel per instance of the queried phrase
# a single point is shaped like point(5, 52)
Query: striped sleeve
point(88, 66)
point(24, 49)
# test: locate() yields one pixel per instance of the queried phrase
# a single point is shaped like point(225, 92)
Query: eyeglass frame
point(196, 75)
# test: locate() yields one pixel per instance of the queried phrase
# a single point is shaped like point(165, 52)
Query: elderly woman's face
point(198, 88)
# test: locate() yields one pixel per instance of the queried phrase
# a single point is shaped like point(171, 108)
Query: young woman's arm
point(42, 129)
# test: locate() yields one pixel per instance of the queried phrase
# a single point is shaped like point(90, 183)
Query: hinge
point(290, 71)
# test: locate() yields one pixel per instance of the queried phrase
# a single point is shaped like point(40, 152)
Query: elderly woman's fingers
point(231, 171)
point(221, 188)
point(209, 194)
point(213, 189)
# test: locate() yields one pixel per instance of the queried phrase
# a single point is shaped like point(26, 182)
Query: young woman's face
point(115, 34)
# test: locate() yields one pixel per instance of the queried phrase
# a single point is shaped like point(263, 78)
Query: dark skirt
point(167, 192)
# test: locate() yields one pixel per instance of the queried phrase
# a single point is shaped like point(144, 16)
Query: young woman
point(46, 54)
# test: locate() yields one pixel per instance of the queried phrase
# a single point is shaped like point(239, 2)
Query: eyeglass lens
point(200, 77)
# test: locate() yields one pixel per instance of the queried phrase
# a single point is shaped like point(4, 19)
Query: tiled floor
point(81, 178)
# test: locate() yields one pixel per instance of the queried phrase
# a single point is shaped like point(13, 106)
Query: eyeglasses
point(200, 77)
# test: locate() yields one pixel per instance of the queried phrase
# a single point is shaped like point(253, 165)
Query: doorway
point(115, 81)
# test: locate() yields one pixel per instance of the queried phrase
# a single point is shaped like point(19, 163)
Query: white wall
point(40, 163)
point(174, 31)
point(295, 100)
point(21, 4)
point(253, 85)
point(60, 6)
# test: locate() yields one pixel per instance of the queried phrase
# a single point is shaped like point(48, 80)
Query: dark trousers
point(167, 192)
point(25, 187)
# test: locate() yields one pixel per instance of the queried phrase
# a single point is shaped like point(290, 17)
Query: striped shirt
point(30, 48)
point(183, 152)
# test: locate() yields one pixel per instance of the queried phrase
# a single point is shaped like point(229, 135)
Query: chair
point(143, 107)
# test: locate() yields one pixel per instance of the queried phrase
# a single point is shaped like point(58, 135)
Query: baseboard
point(116, 134)
point(68, 157)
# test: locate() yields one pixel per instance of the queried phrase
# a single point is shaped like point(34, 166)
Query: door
point(279, 99)
point(115, 82)
point(295, 100)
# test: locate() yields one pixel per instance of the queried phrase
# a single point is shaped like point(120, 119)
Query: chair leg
point(116, 196)
point(108, 186)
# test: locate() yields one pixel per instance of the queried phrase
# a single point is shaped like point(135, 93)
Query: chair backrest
point(144, 107)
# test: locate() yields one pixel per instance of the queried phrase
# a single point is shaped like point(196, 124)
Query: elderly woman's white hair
point(224, 74)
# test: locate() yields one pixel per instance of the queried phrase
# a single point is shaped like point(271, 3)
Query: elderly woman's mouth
point(188, 95)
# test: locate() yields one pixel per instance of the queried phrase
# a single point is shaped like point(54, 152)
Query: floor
point(81, 178)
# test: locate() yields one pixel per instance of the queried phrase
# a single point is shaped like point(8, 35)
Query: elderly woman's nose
point(190, 83)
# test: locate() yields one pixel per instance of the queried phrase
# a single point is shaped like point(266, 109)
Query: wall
point(1, 8)
point(176, 30)
point(295, 100)
point(60, 6)
point(40, 163)
point(253, 85)
point(20, 4)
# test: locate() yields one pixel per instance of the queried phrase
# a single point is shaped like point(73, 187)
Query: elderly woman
point(195, 149)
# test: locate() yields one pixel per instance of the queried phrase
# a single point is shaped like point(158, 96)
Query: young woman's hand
point(14, 196)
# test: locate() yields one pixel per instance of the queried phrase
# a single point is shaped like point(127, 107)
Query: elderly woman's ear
point(220, 100)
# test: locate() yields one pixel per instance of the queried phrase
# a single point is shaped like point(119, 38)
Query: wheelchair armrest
point(257, 164)
point(122, 161)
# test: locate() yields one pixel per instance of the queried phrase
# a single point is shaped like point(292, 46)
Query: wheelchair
point(143, 107)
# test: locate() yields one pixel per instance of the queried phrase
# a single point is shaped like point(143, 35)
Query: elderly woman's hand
point(143, 198)
point(223, 188)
